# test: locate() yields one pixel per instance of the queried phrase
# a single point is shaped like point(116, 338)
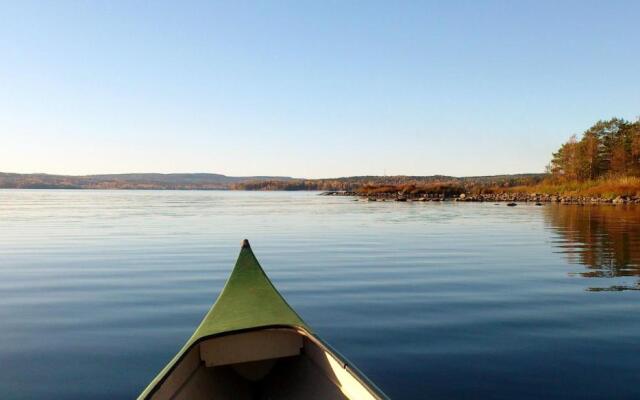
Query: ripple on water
point(430, 300)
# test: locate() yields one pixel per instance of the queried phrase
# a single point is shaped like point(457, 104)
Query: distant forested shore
point(134, 181)
point(603, 163)
point(222, 182)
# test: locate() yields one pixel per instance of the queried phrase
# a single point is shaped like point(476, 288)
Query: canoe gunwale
point(344, 363)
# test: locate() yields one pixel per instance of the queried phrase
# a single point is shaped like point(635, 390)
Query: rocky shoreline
point(510, 198)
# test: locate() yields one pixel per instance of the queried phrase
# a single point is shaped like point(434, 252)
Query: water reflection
point(605, 239)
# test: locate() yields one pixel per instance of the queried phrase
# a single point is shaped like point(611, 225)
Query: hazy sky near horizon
point(309, 88)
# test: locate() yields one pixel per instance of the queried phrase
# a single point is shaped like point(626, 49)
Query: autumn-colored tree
point(590, 156)
point(635, 148)
point(564, 162)
point(607, 148)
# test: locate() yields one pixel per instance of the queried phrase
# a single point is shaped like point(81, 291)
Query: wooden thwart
point(250, 346)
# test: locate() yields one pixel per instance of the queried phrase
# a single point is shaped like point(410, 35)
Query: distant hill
point(222, 182)
point(129, 181)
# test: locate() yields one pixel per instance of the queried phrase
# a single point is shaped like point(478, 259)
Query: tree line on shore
point(607, 149)
point(604, 161)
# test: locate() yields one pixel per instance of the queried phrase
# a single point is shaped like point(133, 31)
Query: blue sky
point(309, 89)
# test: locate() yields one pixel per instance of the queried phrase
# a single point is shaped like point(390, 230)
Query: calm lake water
point(99, 289)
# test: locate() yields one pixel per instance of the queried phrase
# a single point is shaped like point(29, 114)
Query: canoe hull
point(253, 345)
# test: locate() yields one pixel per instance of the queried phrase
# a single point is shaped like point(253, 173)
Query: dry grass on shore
point(447, 188)
point(607, 188)
point(604, 187)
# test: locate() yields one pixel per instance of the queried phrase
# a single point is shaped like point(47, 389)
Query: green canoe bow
point(250, 302)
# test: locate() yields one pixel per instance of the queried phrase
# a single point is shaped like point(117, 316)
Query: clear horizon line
point(267, 175)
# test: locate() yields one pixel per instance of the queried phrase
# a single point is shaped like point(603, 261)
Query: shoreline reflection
point(604, 239)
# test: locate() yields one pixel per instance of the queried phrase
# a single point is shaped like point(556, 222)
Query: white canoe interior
point(265, 364)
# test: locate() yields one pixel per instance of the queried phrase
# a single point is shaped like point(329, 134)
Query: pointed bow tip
point(245, 244)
